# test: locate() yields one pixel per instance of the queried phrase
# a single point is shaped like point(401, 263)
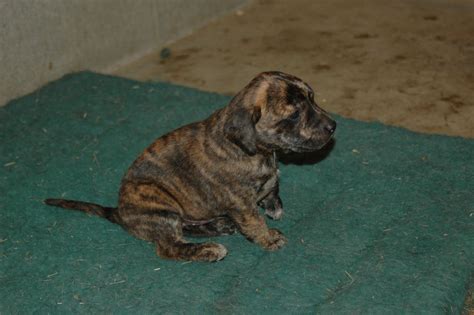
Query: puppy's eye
point(295, 115)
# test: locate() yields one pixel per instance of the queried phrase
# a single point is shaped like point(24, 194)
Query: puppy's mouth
point(312, 146)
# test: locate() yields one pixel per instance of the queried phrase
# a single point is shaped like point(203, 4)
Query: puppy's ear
point(240, 128)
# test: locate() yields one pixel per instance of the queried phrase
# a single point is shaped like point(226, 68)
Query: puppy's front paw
point(274, 240)
point(274, 214)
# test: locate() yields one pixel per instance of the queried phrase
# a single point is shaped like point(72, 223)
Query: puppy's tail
point(87, 207)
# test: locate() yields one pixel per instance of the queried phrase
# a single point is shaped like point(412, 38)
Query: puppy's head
point(276, 111)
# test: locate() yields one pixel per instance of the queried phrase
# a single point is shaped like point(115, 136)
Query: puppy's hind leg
point(165, 228)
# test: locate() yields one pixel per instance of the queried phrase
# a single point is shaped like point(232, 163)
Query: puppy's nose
point(331, 126)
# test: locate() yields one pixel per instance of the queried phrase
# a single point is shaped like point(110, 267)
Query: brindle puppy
point(209, 177)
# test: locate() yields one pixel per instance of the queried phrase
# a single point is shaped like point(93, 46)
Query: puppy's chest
point(266, 177)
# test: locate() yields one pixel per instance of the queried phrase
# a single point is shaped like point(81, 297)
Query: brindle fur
point(210, 177)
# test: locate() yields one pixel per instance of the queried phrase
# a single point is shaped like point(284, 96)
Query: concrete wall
point(42, 40)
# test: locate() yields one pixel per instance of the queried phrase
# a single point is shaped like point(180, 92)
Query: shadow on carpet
point(383, 224)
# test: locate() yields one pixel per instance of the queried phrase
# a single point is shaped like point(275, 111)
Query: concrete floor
point(404, 63)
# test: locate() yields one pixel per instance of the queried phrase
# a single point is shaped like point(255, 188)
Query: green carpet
point(384, 224)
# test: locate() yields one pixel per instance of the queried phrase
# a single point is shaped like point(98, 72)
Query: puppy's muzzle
point(323, 134)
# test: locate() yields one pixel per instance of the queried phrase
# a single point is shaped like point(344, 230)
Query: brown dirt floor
point(404, 63)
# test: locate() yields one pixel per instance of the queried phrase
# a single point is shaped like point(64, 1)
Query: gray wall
point(42, 40)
